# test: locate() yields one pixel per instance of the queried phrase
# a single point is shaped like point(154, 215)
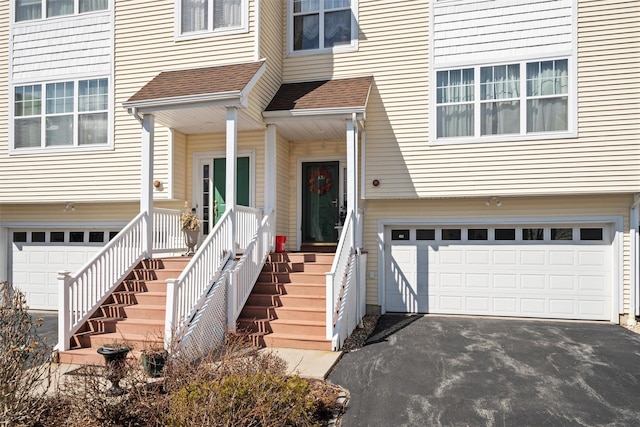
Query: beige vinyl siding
point(308, 151)
point(602, 159)
point(4, 94)
point(51, 214)
point(283, 202)
point(216, 143)
point(270, 49)
point(179, 173)
point(531, 207)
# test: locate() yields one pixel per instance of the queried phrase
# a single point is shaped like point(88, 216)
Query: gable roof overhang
point(195, 100)
point(318, 109)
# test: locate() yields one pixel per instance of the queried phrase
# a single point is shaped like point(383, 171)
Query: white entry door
point(559, 271)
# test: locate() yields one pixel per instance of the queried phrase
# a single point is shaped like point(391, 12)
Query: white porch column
point(352, 166)
point(231, 155)
point(634, 244)
point(270, 174)
point(4, 253)
point(146, 183)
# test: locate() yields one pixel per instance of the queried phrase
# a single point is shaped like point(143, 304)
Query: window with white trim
point(71, 113)
point(504, 99)
point(203, 16)
point(322, 24)
point(27, 10)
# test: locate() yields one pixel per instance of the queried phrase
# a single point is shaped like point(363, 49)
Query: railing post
point(64, 321)
point(329, 304)
point(170, 311)
point(232, 298)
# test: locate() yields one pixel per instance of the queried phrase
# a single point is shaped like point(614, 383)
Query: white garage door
point(38, 255)
point(546, 271)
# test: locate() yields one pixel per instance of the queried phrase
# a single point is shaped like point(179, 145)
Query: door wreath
point(320, 181)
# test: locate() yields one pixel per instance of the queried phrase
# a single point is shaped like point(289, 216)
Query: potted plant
point(191, 228)
point(115, 354)
point(153, 359)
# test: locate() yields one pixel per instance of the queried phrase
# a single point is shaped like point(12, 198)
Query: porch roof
point(318, 109)
point(189, 99)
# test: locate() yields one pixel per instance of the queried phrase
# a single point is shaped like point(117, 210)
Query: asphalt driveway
point(460, 371)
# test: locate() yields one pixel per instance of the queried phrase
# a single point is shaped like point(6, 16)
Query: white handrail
point(82, 293)
point(185, 293)
point(247, 222)
point(246, 272)
point(335, 277)
point(167, 231)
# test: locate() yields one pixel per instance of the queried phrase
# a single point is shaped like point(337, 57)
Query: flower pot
point(114, 359)
point(153, 363)
point(191, 240)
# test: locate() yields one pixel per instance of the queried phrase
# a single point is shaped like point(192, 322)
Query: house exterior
point(488, 149)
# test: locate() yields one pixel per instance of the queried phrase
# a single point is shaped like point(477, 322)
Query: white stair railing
point(341, 289)
point(246, 272)
point(82, 293)
point(186, 293)
point(247, 222)
point(167, 231)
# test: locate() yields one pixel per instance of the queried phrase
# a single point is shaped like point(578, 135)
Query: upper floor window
point(72, 113)
point(322, 24)
point(198, 16)
point(27, 10)
point(508, 99)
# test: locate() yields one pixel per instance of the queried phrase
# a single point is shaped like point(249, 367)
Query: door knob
point(335, 202)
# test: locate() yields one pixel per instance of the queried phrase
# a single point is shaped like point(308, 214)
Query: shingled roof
point(197, 81)
point(329, 94)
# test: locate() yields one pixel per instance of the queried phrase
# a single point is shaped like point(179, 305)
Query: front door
point(214, 189)
point(320, 202)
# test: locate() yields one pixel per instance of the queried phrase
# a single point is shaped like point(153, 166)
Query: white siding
point(65, 47)
point(470, 32)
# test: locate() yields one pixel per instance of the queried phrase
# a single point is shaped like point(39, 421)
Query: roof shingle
point(338, 93)
point(197, 81)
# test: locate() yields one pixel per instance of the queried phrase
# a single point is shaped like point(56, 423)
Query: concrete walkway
point(471, 371)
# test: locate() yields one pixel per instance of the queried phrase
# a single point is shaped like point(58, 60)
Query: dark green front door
point(220, 182)
point(320, 202)
point(214, 189)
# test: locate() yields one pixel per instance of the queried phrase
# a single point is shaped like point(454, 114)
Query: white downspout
point(634, 264)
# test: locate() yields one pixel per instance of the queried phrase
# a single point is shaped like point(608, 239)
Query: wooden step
point(311, 328)
point(145, 311)
point(296, 341)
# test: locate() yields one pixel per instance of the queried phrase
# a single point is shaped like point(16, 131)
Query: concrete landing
point(314, 364)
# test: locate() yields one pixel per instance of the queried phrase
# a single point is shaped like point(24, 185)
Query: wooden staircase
point(134, 313)
point(288, 303)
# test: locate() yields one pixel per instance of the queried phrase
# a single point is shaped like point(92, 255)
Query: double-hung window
point(322, 24)
point(27, 10)
point(71, 113)
point(504, 99)
point(201, 16)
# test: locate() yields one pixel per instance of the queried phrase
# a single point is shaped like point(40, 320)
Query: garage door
point(560, 271)
point(38, 255)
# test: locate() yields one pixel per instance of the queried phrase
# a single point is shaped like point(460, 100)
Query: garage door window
point(19, 236)
point(38, 236)
point(451, 234)
point(561, 234)
point(76, 236)
point(478, 234)
point(505, 234)
point(426, 234)
point(399, 234)
point(96, 236)
point(532, 234)
point(57, 237)
point(591, 234)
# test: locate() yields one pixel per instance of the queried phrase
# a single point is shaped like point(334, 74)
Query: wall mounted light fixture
point(493, 199)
